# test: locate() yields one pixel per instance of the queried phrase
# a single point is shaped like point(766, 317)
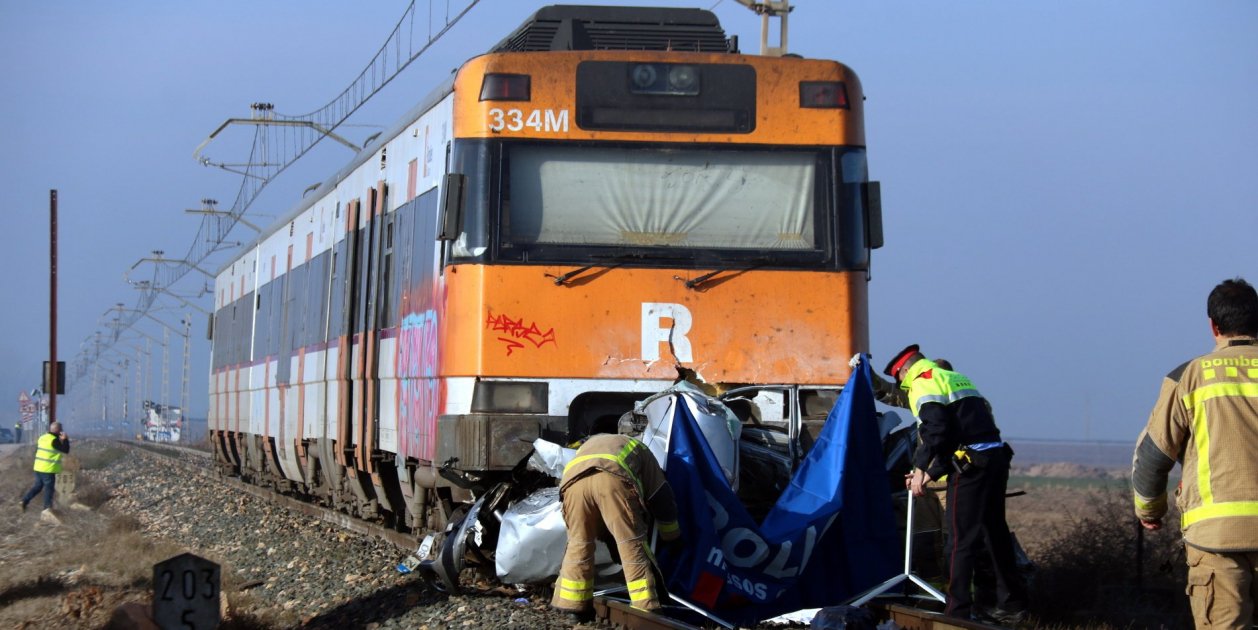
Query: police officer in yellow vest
point(1206, 418)
point(959, 439)
point(609, 490)
point(48, 451)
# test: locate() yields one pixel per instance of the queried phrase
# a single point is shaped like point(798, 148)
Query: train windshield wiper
point(756, 263)
point(608, 261)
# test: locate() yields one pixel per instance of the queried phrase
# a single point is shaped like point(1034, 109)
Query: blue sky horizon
point(1063, 183)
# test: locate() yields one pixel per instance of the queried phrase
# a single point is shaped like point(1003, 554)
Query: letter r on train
point(656, 331)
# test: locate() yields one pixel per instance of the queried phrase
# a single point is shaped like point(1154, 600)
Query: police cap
point(898, 360)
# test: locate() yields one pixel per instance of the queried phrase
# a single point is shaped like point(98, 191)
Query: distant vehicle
point(6, 436)
point(162, 423)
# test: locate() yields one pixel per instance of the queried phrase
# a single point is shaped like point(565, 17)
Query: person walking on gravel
point(48, 451)
point(1206, 418)
point(608, 490)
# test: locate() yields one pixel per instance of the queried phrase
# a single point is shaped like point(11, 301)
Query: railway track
point(607, 609)
point(403, 541)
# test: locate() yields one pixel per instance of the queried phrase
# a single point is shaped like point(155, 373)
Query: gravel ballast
point(283, 569)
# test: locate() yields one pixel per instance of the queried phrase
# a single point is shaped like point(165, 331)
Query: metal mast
point(771, 9)
point(165, 367)
point(187, 362)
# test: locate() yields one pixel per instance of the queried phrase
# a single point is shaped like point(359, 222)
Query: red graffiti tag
point(515, 329)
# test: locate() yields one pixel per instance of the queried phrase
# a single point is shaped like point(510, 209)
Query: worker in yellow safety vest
point(610, 490)
point(958, 437)
point(1206, 418)
point(48, 451)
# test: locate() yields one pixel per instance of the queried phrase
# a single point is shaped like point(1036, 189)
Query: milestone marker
point(186, 593)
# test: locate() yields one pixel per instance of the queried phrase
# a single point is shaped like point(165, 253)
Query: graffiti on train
point(514, 332)
point(419, 389)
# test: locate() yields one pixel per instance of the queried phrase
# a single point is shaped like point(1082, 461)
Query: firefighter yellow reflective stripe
point(1216, 510)
point(1201, 441)
point(640, 591)
point(619, 458)
point(1202, 394)
point(1148, 505)
point(1195, 401)
point(576, 590)
point(575, 596)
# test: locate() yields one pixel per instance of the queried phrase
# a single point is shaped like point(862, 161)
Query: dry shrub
point(130, 555)
point(125, 524)
point(1088, 575)
point(247, 612)
point(94, 455)
point(91, 494)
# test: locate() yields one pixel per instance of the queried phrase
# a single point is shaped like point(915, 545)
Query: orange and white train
point(610, 198)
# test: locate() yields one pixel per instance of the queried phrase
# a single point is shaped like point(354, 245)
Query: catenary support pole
point(52, 309)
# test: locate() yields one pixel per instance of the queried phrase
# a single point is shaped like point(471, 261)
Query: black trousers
point(976, 514)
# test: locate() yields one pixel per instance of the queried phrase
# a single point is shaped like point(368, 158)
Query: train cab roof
point(583, 27)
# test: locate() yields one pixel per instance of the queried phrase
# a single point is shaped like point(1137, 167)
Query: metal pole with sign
point(53, 383)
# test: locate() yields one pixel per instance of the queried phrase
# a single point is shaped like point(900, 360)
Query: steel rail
point(620, 614)
point(910, 618)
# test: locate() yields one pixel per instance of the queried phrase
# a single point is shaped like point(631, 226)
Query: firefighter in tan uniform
point(1206, 418)
point(610, 489)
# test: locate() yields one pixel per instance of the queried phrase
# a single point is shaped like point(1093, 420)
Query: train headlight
point(683, 78)
point(643, 76)
point(510, 397)
point(664, 78)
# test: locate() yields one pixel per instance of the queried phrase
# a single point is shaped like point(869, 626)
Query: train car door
point(349, 360)
point(374, 302)
point(292, 288)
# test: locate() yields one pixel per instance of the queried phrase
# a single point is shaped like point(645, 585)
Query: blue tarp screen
point(829, 537)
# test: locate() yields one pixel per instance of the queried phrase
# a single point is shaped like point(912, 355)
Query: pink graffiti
point(514, 329)
point(419, 389)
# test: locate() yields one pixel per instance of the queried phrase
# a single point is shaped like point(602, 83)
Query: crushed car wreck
point(774, 491)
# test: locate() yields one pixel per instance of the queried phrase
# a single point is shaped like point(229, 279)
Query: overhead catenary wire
point(269, 157)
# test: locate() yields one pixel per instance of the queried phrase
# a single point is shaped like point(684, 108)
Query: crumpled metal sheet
point(550, 458)
point(719, 425)
point(532, 535)
point(531, 541)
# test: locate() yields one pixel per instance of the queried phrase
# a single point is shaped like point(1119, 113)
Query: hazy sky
point(1063, 182)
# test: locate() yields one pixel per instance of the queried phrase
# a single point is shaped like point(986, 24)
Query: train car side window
point(473, 158)
point(388, 301)
point(242, 330)
point(853, 173)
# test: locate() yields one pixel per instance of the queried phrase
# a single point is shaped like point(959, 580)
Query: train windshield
point(670, 198)
point(537, 202)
